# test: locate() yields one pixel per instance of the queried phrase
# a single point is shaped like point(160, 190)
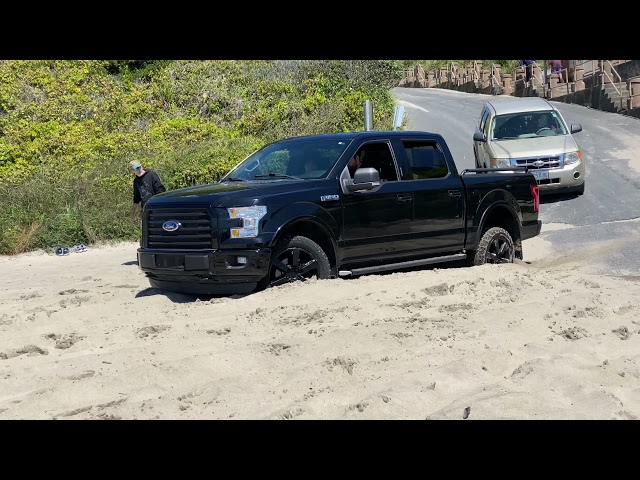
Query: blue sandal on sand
point(59, 251)
point(79, 248)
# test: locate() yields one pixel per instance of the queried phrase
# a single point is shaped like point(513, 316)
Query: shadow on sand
point(184, 297)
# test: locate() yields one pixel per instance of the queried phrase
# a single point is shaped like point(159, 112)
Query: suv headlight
point(250, 220)
point(501, 162)
point(572, 157)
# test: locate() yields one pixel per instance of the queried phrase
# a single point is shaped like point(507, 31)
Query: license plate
point(541, 174)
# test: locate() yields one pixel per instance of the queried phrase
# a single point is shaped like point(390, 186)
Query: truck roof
point(348, 136)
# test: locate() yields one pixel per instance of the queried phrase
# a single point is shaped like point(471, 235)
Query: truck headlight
point(572, 157)
point(250, 220)
point(501, 162)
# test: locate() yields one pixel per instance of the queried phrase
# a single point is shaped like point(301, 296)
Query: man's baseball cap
point(135, 165)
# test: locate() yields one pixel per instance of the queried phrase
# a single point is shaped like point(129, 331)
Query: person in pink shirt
point(556, 67)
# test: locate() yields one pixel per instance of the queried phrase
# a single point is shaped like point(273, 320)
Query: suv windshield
point(527, 124)
point(289, 159)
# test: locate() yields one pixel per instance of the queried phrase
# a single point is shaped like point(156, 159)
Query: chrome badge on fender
point(171, 225)
point(325, 198)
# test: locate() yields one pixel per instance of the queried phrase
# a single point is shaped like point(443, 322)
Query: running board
point(394, 266)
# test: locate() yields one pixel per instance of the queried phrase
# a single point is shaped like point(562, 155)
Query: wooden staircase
point(617, 96)
point(607, 85)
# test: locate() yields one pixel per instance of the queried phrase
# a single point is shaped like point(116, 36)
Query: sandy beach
point(84, 336)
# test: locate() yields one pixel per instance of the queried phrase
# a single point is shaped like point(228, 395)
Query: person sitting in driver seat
point(545, 123)
point(355, 162)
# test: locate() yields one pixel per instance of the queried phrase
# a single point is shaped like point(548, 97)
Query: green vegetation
point(69, 128)
point(506, 65)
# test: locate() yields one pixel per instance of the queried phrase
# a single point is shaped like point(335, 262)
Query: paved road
point(602, 226)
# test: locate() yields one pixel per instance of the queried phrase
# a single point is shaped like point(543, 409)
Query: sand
point(85, 337)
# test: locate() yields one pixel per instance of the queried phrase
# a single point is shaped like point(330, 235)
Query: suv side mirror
point(479, 137)
point(576, 127)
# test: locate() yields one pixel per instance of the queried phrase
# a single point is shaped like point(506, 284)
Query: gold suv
point(530, 132)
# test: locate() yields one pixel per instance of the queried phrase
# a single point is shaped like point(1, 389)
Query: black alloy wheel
point(296, 259)
point(496, 246)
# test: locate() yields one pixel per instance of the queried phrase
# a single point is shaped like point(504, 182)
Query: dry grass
point(25, 238)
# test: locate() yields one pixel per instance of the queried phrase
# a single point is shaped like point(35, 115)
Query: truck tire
point(296, 259)
point(496, 246)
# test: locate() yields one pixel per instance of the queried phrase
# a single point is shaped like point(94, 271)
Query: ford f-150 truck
point(298, 209)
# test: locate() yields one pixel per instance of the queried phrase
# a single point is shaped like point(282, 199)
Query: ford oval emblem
point(538, 163)
point(171, 225)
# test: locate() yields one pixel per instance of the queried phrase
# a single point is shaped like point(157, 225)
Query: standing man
point(528, 68)
point(145, 185)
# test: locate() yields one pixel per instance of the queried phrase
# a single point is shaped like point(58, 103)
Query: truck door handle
point(454, 193)
point(404, 198)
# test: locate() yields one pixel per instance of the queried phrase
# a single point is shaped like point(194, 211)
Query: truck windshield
point(309, 159)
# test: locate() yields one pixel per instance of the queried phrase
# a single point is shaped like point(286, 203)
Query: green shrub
point(69, 128)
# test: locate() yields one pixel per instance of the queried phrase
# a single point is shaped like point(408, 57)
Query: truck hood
point(534, 147)
point(227, 194)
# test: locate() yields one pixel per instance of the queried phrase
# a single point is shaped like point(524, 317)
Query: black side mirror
point(479, 137)
point(576, 127)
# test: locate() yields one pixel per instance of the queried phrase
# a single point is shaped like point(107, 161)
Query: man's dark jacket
point(146, 186)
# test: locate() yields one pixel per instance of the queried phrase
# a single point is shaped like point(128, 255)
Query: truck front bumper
point(206, 272)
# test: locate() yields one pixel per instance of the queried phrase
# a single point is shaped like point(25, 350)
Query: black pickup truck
point(294, 210)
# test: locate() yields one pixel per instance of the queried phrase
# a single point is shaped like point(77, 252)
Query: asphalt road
point(601, 227)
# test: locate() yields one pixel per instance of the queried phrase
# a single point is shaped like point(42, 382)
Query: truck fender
point(294, 213)
point(491, 201)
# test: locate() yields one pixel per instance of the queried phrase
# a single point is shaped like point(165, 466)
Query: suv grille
point(195, 231)
point(547, 162)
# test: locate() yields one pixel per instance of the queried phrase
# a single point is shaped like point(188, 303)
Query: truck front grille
point(534, 163)
point(196, 230)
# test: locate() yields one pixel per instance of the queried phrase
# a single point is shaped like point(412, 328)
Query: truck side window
point(426, 160)
point(378, 156)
